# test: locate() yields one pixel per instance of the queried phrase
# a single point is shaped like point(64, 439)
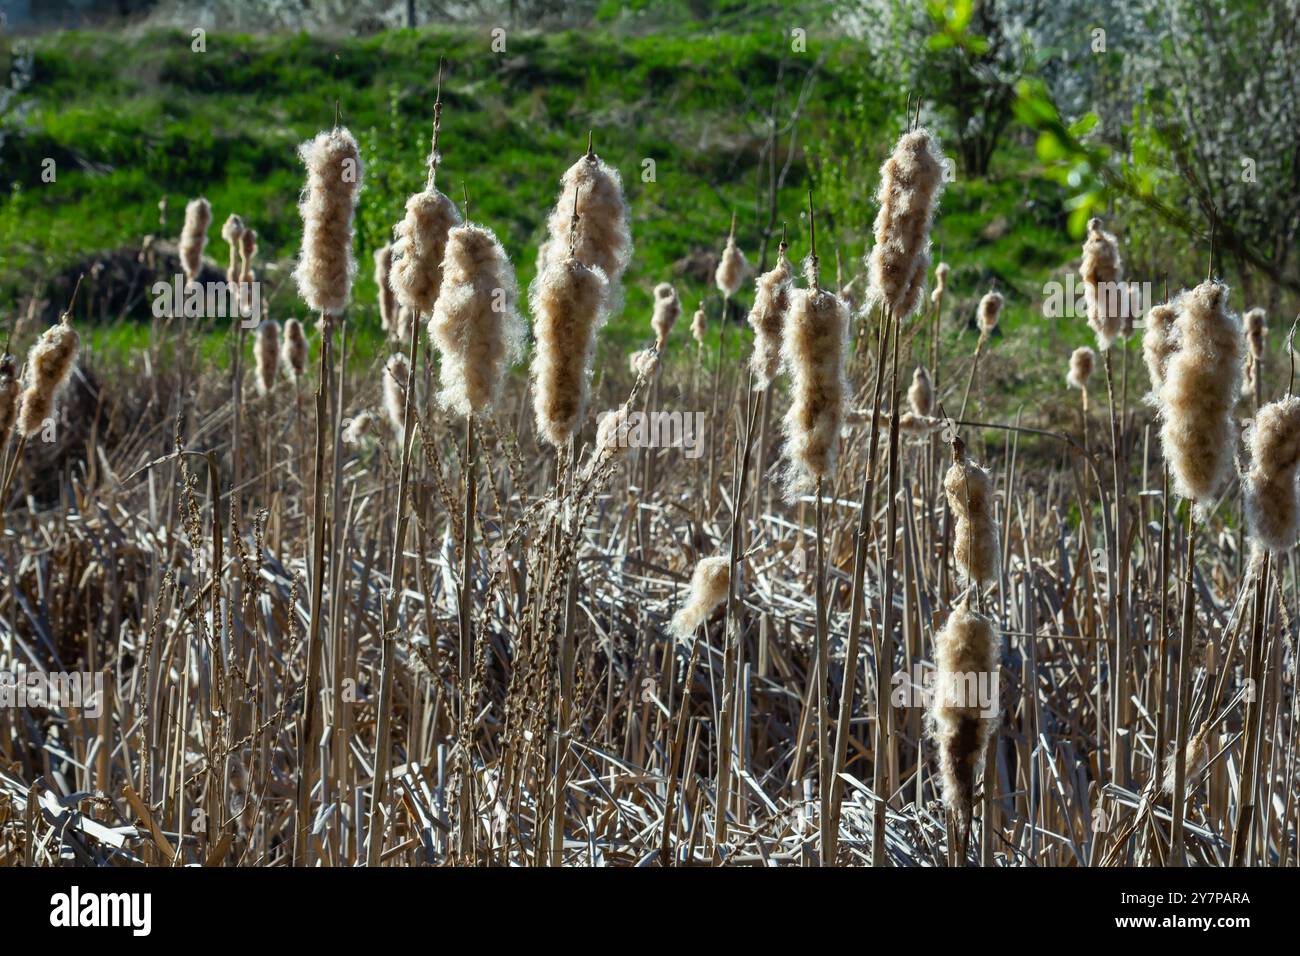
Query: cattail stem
point(466, 828)
point(1182, 695)
point(388, 661)
point(711, 489)
point(1251, 727)
point(970, 379)
point(827, 845)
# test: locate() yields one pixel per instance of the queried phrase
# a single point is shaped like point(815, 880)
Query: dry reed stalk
point(986, 318)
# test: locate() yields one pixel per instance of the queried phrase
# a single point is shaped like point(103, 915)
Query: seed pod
point(231, 232)
point(921, 393)
point(709, 585)
point(266, 352)
point(966, 652)
point(475, 325)
point(294, 350)
point(49, 364)
point(1081, 364)
point(1202, 384)
point(568, 304)
point(1159, 342)
point(396, 372)
point(910, 183)
point(940, 283)
point(1103, 292)
point(990, 310)
point(194, 237)
point(699, 325)
point(387, 299)
point(358, 428)
point(970, 496)
point(9, 394)
point(767, 319)
point(1270, 488)
point(418, 248)
point(326, 266)
point(667, 310)
point(732, 267)
point(604, 239)
point(1198, 755)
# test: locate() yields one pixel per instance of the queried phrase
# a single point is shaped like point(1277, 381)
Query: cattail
point(1159, 342)
point(568, 304)
point(970, 496)
point(1198, 756)
point(668, 308)
point(699, 325)
point(990, 310)
point(611, 432)
point(709, 586)
point(326, 266)
point(812, 350)
point(401, 331)
point(387, 300)
point(921, 393)
point(966, 652)
point(231, 232)
point(358, 428)
point(194, 237)
point(475, 324)
point(1105, 296)
point(910, 183)
point(247, 250)
point(49, 364)
point(293, 353)
point(732, 267)
point(918, 426)
point(644, 363)
point(1201, 386)
point(1081, 364)
point(767, 319)
point(940, 283)
point(1270, 489)
point(604, 239)
point(9, 391)
point(396, 372)
point(1256, 329)
point(266, 353)
point(417, 252)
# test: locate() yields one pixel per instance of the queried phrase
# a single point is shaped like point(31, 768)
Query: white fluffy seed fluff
point(326, 265)
point(975, 536)
point(194, 237)
point(709, 586)
point(767, 319)
point(1159, 342)
point(1104, 291)
point(732, 268)
point(232, 232)
point(667, 309)
point(940, 283)
point(1201, 386)
point(910, 183)
point(966, 653)
point(699, 325)
point(1269, 486)
point(990, 310)
point(476, 325)
point(293, 353)
point(49, 365)
point(396, 372)
point(9, 392)
point(569, 306)
point(813, 351)
point(387, 299)
point(604, 239)
point(420, 242)
point(266, 354)
point(920, 395)
point(1081, 365)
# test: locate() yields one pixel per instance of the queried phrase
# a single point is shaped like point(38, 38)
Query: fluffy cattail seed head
point(709, 586)
point(1270, 489)
point(1198, 757)
point(921, 393)
point(910, 183)
point(418, 249)
point(699, 325)
point(232, 231)
point(476, 324)
point(990, 310)
point(667, 310)
point(970, 496)
point(767, 319)
point(604, 238)
point(396, 372)
point(1159, 342)
point(266, 353)
point(568, 304)
point(387, 299)
point(194, 236)
point(644, 363)
point(1256, 329)
point(966, 652)
point(326, 266)
point(1105, 295)
point(732, 268)
point(358, 428)
point(294, 350)
point(1201, 386)
point(940, 283)
point(1081, 364)
point(812, 351)
point(49, 364)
